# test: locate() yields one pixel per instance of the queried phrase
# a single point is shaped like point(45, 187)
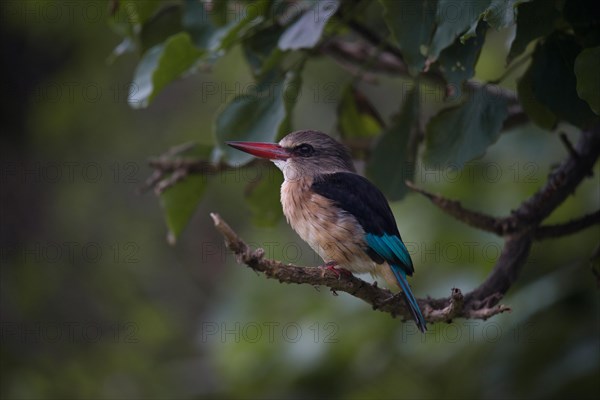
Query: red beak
point(272, 151)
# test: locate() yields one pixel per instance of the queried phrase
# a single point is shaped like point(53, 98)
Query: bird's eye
point(304, 150)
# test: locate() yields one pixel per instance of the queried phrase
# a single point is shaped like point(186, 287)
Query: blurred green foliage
point(96, 304)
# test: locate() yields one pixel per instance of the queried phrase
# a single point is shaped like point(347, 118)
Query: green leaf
point(160, 66)
point(261, 50)
point(587, 71)
point(293, 86)
point(307, 30)
point(538, 113)
point(412, 24)
point(356, 115)
point(459, 134)
point(129, 20)
point(219, 12)
point(263, 200)
point(254, 14)
point(553, 79)
point(197, 21)
point(209, 35)
point(180, 202)
point(453, 18)
point(130, 15)
point(534, 19)
point(393, 158)
point(262, 116)
point(128, 45)
point(458, 61)
point(165, 23)
point(501, 13)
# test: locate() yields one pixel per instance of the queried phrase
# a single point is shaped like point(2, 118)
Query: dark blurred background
point(96, 304)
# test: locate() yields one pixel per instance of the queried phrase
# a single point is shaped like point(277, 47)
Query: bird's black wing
point(360, 198)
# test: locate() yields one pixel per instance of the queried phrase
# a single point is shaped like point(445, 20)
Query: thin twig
point(565, 140)
point(454, 208)
point(568, 228)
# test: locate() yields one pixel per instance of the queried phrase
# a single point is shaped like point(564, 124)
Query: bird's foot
point(332, 266)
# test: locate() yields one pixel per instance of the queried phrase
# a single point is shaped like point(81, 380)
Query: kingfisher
point(344, 217)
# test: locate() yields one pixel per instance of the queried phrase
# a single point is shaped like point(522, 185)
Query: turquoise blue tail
point(394, 252)
point(410, 299)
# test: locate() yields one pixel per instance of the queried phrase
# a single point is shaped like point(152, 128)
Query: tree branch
point(522, 226)
point(561, 183)
point(168, 172)
point(356, 53)
point(454, 208)
point(171, 168)
point(576, 225)
point(434, 310)
point(361, 54)
point(512, 258)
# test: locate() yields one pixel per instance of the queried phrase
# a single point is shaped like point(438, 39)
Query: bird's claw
point(332, 266)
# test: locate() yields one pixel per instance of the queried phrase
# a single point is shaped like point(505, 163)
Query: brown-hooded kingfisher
point(340, 214)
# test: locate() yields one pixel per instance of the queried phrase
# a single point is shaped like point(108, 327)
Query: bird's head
point(302, 154)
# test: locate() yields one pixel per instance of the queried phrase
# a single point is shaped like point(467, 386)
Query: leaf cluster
point(435, 43)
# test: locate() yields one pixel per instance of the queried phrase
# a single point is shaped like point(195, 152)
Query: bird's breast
point(330, 231)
